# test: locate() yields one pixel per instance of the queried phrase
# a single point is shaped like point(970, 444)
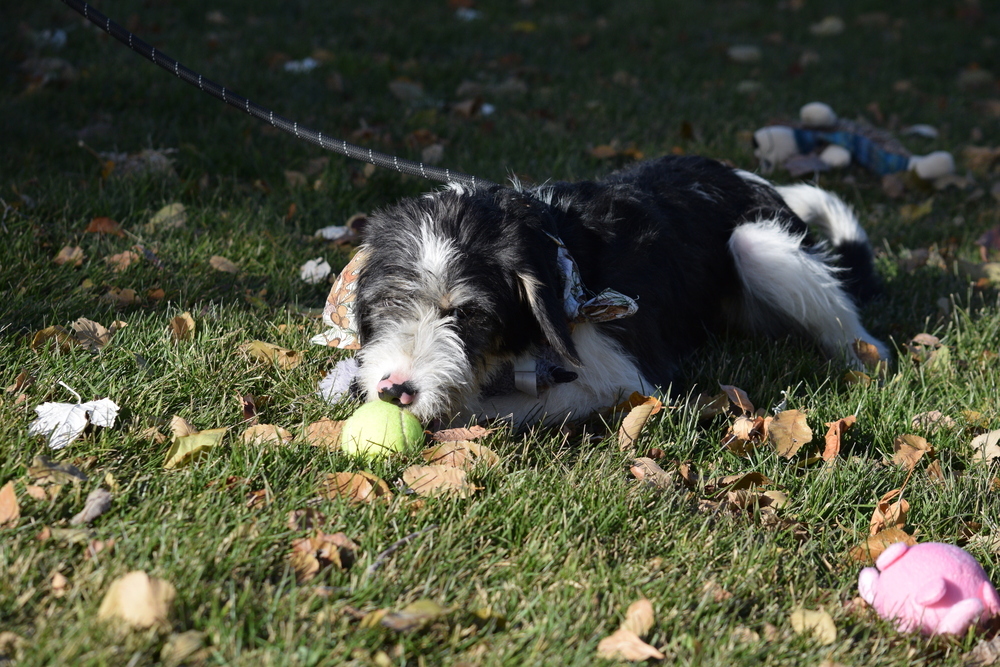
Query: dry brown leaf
point(934, 472)
point(309, 518)
point(869, 550)
point(626, 645)
point(23, 380)
point(867, 353)
point(309, 555)
point(709, 405)
point(460, 434)
point(835, 431)
point(647, 470)
point(181, 427)
point(639, 617)
point(138, 601)
point(713, 590)
point(281, 357)
point(220, 263)
point(603, 152)
point(636, 399)
point(738, 398)
point(44, 471)
point(10, 510)
point(121, 261)
point(909, 449)
point(736, 482)
point(61, 336)
point(414, 616)
point(745, 433)
point(98, 502)
point(72, 255)
point(121, 297)
point(59, 584)
point(438, 481)
point(889, 515)
point(91, 335)
point(635, 421)
point(788, 432)
point(36, 492)
point(105, 225)
point(986, 447)
point(266, 434)
point(182, 327)
point(325, 433)
point(461, 454)
point(818, 624)
point(932, 421)
point(97, 546)
point(362, 487)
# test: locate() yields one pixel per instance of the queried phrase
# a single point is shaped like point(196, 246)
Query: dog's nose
point(397, 394)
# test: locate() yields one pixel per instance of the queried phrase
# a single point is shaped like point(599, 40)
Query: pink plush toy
point(932, 587)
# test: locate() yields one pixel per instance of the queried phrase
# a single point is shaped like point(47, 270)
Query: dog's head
point(454, 285)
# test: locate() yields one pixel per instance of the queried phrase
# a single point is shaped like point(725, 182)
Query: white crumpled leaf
point(64, 422)
point(333, 232)
point(315, 271)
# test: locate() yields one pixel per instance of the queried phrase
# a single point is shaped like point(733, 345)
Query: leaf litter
point(626, 642)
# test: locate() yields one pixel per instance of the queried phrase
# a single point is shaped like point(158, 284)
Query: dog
point(463, 287)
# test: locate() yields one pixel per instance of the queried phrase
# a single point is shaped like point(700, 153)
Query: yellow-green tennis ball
point(378, 429)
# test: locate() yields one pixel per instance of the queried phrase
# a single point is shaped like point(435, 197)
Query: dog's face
point(454, 285)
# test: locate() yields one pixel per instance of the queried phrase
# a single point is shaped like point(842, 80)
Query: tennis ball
point(378, 429)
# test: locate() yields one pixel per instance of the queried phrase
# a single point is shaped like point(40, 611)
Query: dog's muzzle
point(397, 393)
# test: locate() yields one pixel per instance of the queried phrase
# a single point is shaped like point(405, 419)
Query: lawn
point(539, 562)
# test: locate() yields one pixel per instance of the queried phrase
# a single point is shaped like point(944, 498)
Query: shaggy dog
point(463, 288)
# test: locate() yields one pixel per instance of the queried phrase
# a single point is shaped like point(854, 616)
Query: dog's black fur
point(658, 232)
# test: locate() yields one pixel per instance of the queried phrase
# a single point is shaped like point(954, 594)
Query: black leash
point(229, 97)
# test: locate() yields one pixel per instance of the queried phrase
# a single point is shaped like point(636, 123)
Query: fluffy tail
point(840, 226)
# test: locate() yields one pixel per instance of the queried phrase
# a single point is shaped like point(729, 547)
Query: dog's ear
point(542, 293)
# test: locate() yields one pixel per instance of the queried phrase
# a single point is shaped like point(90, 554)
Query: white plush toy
point(837, 142)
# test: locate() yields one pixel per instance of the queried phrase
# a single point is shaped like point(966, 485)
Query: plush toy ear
point(546, 305)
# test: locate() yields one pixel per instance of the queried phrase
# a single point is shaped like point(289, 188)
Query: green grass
point(560, 539)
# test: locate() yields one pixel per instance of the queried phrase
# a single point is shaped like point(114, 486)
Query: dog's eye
point(458, 314)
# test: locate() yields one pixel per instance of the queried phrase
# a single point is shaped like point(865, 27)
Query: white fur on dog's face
point(417, 338)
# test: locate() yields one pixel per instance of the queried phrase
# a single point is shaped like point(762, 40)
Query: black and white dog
point(461, 286)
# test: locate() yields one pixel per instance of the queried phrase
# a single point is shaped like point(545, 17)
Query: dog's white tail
point(826, 211)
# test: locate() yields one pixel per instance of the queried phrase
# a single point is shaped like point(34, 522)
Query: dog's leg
point(787, 282)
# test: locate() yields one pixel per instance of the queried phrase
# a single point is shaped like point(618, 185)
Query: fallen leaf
point(72, 255)
point(438, 481)
point(835, 431)
point(986, 447)
point(171, 216)
point(36, 492)
point(91, 335)
point(738, 398)
point(64, 422)
point(639, 617)
point(220, 263)
point(266, 434)
point(309, 555)
point(282, 358)
point(460, 434)
point(635, 421)
point(709, 405)
point(360, 487)
point(44, 471)
point(10, 510)
point(182, 327)
point(626, 645)
point(58, 583)
point(909, 449)
point(715, 591)
point(913, 212)
point(649, 471)
point(121, 261)
point(869, 550)
point(98, 502)
point(315, 271)
point(185, 648)
point(867, 353)
point(138, 601)
point(932, 421)
point(788, 432)
point(121, 297)
point(818, 624)
point(466, 455)
point(985, 652)
point(63, 339)
point(413, 616)
point(325, 433)
point(889, 515)
point(186, 449)
point(305, 519)
point(104, 225)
